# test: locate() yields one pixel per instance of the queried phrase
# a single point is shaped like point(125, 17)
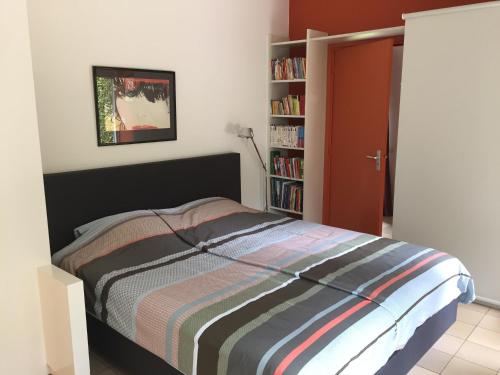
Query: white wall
point(23, 228)
point(448, 171)
point(217, 49)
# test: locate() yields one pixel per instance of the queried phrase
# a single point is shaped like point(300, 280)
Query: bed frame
point(75, 198)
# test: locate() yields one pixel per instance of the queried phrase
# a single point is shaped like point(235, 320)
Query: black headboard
point(75, 198)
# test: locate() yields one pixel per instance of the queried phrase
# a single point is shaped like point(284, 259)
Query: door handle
point(377, 158)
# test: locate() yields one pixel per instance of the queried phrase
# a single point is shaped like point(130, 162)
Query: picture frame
point(134, 105)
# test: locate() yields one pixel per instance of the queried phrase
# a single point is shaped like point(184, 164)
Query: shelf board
point(286, 178)
point(288, 80)
point(289, 43)
point(287, 116)
point(361, 35)
point(286, 147)
point(285, 210)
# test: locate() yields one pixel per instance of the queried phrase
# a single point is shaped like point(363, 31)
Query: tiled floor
point(470, 347)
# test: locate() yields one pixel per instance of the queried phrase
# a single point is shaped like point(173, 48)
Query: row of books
point(287, 136)
point(287, 195)
point(291, 105)
point(286, 167)
point(288, 68)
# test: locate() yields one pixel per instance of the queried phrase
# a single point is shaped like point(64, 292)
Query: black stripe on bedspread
point(131, 255)
point(283, 317)
point(400, 283)
point(212, 339)
point(420, 299)
point(335, 264)
point(227, 225)
point(109, 284)
point(389, 257)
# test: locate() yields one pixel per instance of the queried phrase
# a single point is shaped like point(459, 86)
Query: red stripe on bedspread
point(332, 323)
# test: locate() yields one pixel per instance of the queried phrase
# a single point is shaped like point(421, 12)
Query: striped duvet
point(213, 287)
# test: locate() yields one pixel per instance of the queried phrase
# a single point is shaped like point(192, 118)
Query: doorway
point(361, 136)
point(396, 73)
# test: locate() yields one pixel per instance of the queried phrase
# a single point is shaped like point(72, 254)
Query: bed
point(247, 292)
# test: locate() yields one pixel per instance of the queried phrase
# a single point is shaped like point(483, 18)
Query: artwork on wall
point(134, 105)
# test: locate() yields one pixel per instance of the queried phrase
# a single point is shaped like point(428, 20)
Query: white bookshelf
point(285, 210)
point(316, 45)
point(279, 147)
point(276, 42)
point(286, 178)
point(313, 120)
point(287, 116)
point(288, 80)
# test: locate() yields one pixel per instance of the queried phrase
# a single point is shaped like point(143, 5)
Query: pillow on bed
point(113, 219)
point(193, 214)
point(102, 221)
point(117, 230)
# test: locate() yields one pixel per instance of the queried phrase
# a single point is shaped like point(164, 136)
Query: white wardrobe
point(447, 191)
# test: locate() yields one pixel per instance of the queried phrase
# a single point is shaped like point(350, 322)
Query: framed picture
point(134, 105)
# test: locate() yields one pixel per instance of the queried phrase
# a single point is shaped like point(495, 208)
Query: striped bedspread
point(213, 287)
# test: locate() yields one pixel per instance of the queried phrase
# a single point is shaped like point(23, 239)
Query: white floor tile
point(434, 360)
point(476, 307)
point(494, 312)
point(486, 338)
point(460, 329)
point(490, 322)
point(421, 371)
point(480, 355)
point(468, 315)
point(448, 344)
point(459, 366)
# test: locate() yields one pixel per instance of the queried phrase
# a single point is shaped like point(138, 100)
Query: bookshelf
point(286, 178)
point(292, 212)
point(297, 80)
point(313, 86)
point(286, 43)
point(279, 147)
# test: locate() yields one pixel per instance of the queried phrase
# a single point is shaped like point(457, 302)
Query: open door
point(356, 135)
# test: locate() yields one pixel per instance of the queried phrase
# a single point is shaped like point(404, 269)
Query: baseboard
point(488, 302)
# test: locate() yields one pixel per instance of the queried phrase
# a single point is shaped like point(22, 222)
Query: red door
point(356, 135)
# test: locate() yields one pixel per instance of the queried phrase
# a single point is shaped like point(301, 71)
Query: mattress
point(214, 287)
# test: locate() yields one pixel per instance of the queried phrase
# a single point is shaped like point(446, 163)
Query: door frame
point(327, 179)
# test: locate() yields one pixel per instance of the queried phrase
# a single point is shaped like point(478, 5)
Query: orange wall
point(338, 17)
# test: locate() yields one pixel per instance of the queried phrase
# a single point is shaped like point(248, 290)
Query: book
point(287, 136)
point(287, 195)
point(288, 68)
point(284, 166)
point(290, 105)
point(302, 103)
point(274, 155)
